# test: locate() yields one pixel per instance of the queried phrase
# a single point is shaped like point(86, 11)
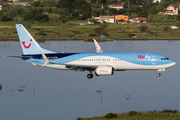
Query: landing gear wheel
point(89, 76)
point(158, 74)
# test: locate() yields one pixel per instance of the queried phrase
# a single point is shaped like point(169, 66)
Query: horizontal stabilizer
point(19, 56)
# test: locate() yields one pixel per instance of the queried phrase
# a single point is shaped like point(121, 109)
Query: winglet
point(45, 59)
point(98, 48)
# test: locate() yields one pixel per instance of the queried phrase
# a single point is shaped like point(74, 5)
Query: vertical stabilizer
point(28, 44)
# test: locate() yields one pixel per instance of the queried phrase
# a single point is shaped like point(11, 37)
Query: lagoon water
point(65, 95)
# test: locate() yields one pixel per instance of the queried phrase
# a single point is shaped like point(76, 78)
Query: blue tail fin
point(28, 44)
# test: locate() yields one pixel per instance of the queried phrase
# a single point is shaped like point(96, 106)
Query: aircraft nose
point(172, 63)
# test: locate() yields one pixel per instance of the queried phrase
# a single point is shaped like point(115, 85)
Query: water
point(66, 95)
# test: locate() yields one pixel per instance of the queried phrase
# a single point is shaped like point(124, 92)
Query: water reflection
point(67, 95)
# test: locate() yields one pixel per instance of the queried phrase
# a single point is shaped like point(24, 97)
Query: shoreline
point(87, 40)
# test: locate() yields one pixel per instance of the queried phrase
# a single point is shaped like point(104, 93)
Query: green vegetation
point(72, 30)
point(68, 10)
point(134, 115)
point(60, 20)
point(110, 115)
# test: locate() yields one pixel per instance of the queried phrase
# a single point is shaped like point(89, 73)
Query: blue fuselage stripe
point(136, 58)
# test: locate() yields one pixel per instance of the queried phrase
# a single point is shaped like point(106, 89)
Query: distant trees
point(81, 9)
point(98, 1)
point(152, 11)
point(112, 11)
point(6, 18)
point(36, 4)
point(36, 14)
point(75, 8)
point(143, 14)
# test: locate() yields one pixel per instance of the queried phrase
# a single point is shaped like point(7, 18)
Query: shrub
point(132, 113)
point(6, 18)
point(110, 115)
point(79, 118)
point(143, 28)
point(92, 34)
point(166, 28)
point(36, 14)
point(169, 111)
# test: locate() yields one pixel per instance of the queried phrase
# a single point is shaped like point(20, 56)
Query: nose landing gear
point(158, 74)
point(159, 70)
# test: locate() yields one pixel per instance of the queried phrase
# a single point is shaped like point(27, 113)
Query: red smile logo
point(25, 45)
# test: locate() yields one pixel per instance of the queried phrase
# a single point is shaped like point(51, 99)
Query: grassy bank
point(72, 30)
point(133, 115)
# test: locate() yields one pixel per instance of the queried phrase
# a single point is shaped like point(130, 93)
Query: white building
point(107, 19)
point(13, 1)
point(172, 10)
point(117, 6)
point(155, 1)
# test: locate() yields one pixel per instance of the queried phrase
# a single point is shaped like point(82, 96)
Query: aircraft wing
point(70, 66)
point(81, 67)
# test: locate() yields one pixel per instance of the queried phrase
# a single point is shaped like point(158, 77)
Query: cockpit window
point(164, 58)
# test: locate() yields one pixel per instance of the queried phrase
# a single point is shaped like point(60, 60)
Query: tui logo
point(28, 45)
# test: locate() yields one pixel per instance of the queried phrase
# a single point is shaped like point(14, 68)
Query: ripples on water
point(66, 95)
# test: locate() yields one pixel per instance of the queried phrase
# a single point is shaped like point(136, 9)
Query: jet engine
point(104, 70)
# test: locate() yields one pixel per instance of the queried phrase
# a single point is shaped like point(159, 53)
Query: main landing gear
point(90, 75)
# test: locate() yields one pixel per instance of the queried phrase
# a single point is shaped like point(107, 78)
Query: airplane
point(99, 63)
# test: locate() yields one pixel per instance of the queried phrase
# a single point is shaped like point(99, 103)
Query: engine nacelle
point(104, 70)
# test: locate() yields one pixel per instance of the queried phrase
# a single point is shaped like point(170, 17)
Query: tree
point(93, 1)
point(102, 1)
point(122, 11)
point(113, 11)
point(36, 14)
point(98, 1)
point(86, 14)
point(36, 4)
point(74, 7)
point(6, 18)
point(111, 1)
point(135, 8)
point(65, 3)
point(139, 2)
point(153, 11)
point(143, 14)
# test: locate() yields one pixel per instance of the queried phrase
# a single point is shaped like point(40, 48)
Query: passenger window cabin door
point(154, 60)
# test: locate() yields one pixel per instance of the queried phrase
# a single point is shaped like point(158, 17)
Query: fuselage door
point(154, 60)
